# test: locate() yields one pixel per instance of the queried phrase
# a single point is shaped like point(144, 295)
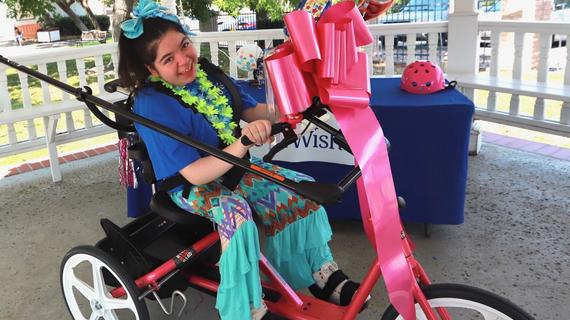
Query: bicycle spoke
point(83, 288)
point(114, 304)
point(98, 281)
point(83, 263)
point(110, 315)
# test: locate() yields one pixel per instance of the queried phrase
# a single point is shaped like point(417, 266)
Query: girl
point(19, 36)
point(157, 61)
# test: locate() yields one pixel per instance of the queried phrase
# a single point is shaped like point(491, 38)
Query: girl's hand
point(258, 131)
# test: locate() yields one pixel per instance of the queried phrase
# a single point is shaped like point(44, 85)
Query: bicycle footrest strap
point(347, 291)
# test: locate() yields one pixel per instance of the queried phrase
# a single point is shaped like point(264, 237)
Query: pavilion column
point(462, 47)
point(463, 37)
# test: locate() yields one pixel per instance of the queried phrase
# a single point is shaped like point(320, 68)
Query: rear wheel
point(465, 303)
point(88, 275)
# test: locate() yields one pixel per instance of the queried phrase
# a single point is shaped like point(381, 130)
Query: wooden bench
point(93, 35)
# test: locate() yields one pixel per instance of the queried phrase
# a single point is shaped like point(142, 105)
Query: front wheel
point(88, 275)
point(465, 303)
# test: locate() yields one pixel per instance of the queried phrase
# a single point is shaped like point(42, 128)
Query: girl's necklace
point(214, 106)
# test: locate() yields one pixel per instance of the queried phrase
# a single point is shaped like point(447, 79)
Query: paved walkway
point(514, 240)
point(488, 137)
point(9, 48)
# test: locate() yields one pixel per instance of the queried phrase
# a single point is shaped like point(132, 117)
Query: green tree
point(202, 11)
point(42, 9)
point(274, 9)
point(121, 11)
point(65, 5)
point(90, 14)
point(198, 9)
point(22, 8)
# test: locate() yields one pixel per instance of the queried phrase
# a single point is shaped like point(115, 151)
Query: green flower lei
point(214, 107)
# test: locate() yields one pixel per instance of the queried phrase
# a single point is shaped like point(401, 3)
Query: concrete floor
point(515, 240)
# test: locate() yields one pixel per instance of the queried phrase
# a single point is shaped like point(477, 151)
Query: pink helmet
point(423, 77)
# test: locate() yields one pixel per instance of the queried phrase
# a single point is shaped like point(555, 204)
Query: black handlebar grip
point(111, 86)
point(275, 129)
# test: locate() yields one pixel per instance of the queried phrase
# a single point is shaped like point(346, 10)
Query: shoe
point(331, 284)
point(262, 313)
point(272, 316)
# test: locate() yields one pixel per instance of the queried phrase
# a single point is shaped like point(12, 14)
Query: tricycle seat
point(166, 208)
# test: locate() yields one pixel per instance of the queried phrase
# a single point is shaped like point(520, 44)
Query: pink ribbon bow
point(322, 59)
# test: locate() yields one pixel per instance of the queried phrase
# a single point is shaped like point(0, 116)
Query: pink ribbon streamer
point(323, 60)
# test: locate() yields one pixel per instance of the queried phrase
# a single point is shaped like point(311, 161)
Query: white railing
point(395, 45)
point(523, 67)
point(227, 43)
point(29, 100)
point(17, 104)
point(399, 44)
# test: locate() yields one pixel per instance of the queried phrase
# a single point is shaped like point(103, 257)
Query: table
point(430, 138)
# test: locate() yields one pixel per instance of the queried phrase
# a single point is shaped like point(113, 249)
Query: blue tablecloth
point(430, 138)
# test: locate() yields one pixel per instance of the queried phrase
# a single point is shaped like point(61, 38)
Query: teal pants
point(297, 234)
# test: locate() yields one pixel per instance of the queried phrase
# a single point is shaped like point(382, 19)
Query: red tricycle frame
point(292, 305)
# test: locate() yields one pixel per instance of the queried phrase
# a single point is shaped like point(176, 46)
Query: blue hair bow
point(133, 28)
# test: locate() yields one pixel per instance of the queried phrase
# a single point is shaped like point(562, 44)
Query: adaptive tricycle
point(162, 253)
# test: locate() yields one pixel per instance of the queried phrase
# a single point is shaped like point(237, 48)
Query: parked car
point(560, 14)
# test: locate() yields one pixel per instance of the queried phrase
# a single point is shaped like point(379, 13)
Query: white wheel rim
point(102, 304)
point(486, 312)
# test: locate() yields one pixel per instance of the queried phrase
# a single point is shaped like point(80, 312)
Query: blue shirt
point(168, 156)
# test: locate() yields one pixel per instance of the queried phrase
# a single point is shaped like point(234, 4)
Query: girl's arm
point(260, 112)
point(209, 168)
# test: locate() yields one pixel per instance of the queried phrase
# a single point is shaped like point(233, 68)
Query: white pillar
point(170, 5)
point(463, 37)
point(50, 127)
point(462, 50)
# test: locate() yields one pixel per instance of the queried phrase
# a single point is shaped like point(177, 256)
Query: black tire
point(505, 309)
point(108, 267)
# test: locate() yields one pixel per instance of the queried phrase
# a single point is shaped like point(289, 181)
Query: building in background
point(6, 24)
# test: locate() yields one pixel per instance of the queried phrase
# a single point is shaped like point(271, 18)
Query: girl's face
point(175, 59)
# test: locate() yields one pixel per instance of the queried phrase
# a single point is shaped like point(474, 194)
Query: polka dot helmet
point(423, 77)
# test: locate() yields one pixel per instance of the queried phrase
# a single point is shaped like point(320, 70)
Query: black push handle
point(323, 193)
point(275, 129)
point(289, 138)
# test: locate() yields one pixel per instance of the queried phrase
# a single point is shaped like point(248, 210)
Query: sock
point(322, 276)
point(257, 314)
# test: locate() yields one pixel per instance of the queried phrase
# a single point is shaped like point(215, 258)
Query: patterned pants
point(297, 234)
point(275, 205)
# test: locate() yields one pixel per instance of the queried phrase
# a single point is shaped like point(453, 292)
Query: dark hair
point(136, 54)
